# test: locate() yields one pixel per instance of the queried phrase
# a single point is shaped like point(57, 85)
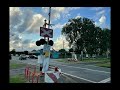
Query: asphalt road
point(82, 73)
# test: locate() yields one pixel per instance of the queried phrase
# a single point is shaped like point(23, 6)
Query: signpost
point(46, 32)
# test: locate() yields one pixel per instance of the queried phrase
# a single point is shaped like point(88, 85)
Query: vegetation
point(13, 52)
point(15, 66)
point(102, 62)
point(17, 79)
point(83, 35)
point(107, 64)
point(96, 60)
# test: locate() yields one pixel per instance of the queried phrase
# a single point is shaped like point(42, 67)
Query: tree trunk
point(81, 55)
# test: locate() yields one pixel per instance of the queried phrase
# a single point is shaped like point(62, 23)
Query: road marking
point(92, 65)
point(79, 77)
point(105, 80)
point(85, 68)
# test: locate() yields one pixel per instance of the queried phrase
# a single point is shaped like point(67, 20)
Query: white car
point(22, 57)
point(27, 56)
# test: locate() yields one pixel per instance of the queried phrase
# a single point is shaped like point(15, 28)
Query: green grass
point(15, 66)
point(96, 60)
point(102, 62)
point(88, 60)
point(108, 65)
point(18, 79)
point(61, 60)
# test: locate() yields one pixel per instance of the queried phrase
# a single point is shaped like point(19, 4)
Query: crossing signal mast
point(49, 14)
point(46, 32)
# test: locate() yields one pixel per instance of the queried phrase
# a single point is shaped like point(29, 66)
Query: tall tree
point(80, 31)
point(63, 52)
point(83, 35)
point(13, 52)
point(26, 52)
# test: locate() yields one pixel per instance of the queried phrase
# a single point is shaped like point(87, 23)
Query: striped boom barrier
point(50, 76)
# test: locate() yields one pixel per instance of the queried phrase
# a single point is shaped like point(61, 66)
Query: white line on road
point(105, 80)
point(85, 68)
point(79, 77)
point(92, 65)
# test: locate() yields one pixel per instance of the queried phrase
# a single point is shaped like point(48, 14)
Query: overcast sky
point(25, 23)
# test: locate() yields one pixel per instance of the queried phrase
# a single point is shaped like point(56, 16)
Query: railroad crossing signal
point(46, 32)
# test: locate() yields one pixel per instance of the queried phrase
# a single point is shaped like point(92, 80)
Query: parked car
point(27, 56)
point(22, 57)
point(33, 57)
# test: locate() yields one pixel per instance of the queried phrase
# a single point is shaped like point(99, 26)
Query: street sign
point(46, 32)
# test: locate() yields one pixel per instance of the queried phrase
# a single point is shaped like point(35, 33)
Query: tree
point(106, 41)
point(63, 52)
point(83, 35)
point(33, 50)
point(26, 52)
point(13, 52)
point(80, 31)
point(70, 50)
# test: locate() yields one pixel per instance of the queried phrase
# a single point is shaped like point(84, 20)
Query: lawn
point(96, 60)
point(15, 66)
point(18, 79)
point(88, 60)
point(102, 62)
point(107, 64)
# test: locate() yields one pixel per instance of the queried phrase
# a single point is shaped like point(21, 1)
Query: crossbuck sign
point(46, 32)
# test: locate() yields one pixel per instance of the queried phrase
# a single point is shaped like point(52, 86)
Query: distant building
point(55, 54)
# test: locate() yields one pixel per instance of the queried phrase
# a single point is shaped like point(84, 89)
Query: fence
point(31, 74)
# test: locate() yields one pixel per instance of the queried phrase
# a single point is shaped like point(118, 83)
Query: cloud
point(58, 44)
point(67, 10)
point(58, 26)
point(59, 9)
point(97, 24)
point(36, 22)
point(58, 12)
point(24, 45)
point(99, 18)
point(96, 8)
point(45, 9)
point(27, 41)
point(15, 16)
point(78, 16)
point(55, 12)
point(14, 40)
point(27, 21)
point(24, 20)
point(100, 12)
point(32, 45)
point(102, 19)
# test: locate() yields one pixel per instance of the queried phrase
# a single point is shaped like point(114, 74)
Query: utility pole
point(49, 20)
point(45, 25)
point(49, 17)
point(63, 44)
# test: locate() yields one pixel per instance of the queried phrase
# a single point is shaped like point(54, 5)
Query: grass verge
point(18, 79)
point(15, 66)
point(96, 60)
point(108, 65)
point(102, 62)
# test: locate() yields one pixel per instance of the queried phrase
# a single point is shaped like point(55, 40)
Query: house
point(55, 54)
